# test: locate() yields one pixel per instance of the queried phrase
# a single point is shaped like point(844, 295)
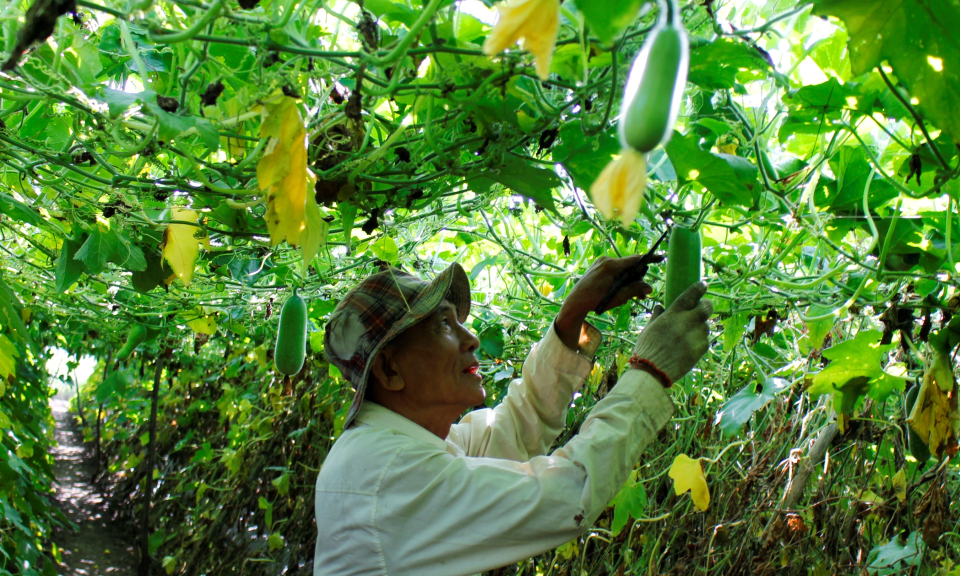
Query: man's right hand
point(675, 340)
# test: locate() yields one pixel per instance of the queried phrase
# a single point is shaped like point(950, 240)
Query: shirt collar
point(373, 414)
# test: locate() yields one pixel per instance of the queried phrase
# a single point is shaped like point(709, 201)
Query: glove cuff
point(637, 362)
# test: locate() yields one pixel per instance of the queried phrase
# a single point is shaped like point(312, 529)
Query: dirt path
point(100, 547)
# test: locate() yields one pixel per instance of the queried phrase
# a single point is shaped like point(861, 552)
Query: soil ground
point(101, 546)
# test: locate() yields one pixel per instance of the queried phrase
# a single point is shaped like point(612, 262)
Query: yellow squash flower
point(619, 190)
point(536, 21)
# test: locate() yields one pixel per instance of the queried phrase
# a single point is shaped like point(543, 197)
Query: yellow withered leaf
point(282, 173)
point(202, 321)
point(619, 190)
point(931, 415)
point(687, 474)
point(315, 233)
point(181, 246)
point(900, 485)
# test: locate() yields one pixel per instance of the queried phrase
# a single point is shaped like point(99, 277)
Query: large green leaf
point(527, 180)
point(706, 170)
point(725, 62)
point(855, 370)
point(607, 18)
point(69, 269)
point(740, 407)
point(918, 38)
point(105, 245)
point(582, 157)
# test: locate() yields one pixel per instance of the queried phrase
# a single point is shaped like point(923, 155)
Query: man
point(404, 490)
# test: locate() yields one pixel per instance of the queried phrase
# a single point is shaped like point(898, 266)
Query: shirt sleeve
point(534, 411)
point(449, 514)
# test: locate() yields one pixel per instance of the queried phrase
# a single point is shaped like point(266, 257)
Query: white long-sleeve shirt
point(393, 499)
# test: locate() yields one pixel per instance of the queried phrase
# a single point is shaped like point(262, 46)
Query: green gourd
point(918, 448)
point(654, 87)
point(136, 337)
point(683, 263)
point(291, 348)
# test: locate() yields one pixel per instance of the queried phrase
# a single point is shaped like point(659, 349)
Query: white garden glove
point(674, 341)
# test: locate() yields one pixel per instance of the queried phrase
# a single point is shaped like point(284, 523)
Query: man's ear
point(386, 371)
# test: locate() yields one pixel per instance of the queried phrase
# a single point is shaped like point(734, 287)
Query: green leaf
point(918, 39)
point(268, 506)
point(8, 357)
point(733, 329)
point(69, 270)
point(890, 558)
point(391, 11)
point(282, 483)
point(706, 170)
point(855, 369)
point(492, 342)
point(817, 330)
point(385, 249)
point(584, 158)
point(19, 211)
point(118, 100)
point(153, 275)
point(171, 125)
point(740, 407)
point(116, 384)
point(608, 18)
point(725, 62)
point(528, 181)
point(10, 313)
point(827, 96)
point(208, 134)
point(107, 245)
point(852, 169)
point(631, 500)
point(276, 542)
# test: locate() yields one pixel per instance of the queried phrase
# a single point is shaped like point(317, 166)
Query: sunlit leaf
point(181, 248)
point(687, 474)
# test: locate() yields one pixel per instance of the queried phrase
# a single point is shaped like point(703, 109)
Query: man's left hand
point(590, 290)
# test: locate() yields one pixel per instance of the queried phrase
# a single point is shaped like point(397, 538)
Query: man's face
point(436, 360)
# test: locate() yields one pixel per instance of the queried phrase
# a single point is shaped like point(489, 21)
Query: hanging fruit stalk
point(291, 347)
point(648, 112)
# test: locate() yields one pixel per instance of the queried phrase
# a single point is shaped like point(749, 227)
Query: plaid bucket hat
point(378, 309)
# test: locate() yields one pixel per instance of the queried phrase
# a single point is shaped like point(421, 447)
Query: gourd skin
point(683, 263)
point(651, 100)
point(136, 337)
point(291, 348)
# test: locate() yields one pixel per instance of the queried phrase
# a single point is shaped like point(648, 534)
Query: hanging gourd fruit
point(291, 348)
point(654, 88)
point(648, 112)
point(683, 263)
point(136, 337)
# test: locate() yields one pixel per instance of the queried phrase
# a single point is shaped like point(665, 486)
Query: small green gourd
point(291, 348)
point(683, 263)
point(136, 337)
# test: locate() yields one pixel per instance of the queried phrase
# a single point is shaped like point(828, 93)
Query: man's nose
point(468, 340)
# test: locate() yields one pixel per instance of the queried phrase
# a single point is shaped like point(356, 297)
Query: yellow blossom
point(536, 21)
point(619, 190)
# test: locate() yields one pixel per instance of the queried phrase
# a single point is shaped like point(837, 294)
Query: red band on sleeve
point(636, 360)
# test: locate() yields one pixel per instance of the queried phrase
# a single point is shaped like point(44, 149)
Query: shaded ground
point(100, 547)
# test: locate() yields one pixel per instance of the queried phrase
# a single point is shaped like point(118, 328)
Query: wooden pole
point(144, 568)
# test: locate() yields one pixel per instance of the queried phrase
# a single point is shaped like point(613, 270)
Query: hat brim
point(453, 285)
